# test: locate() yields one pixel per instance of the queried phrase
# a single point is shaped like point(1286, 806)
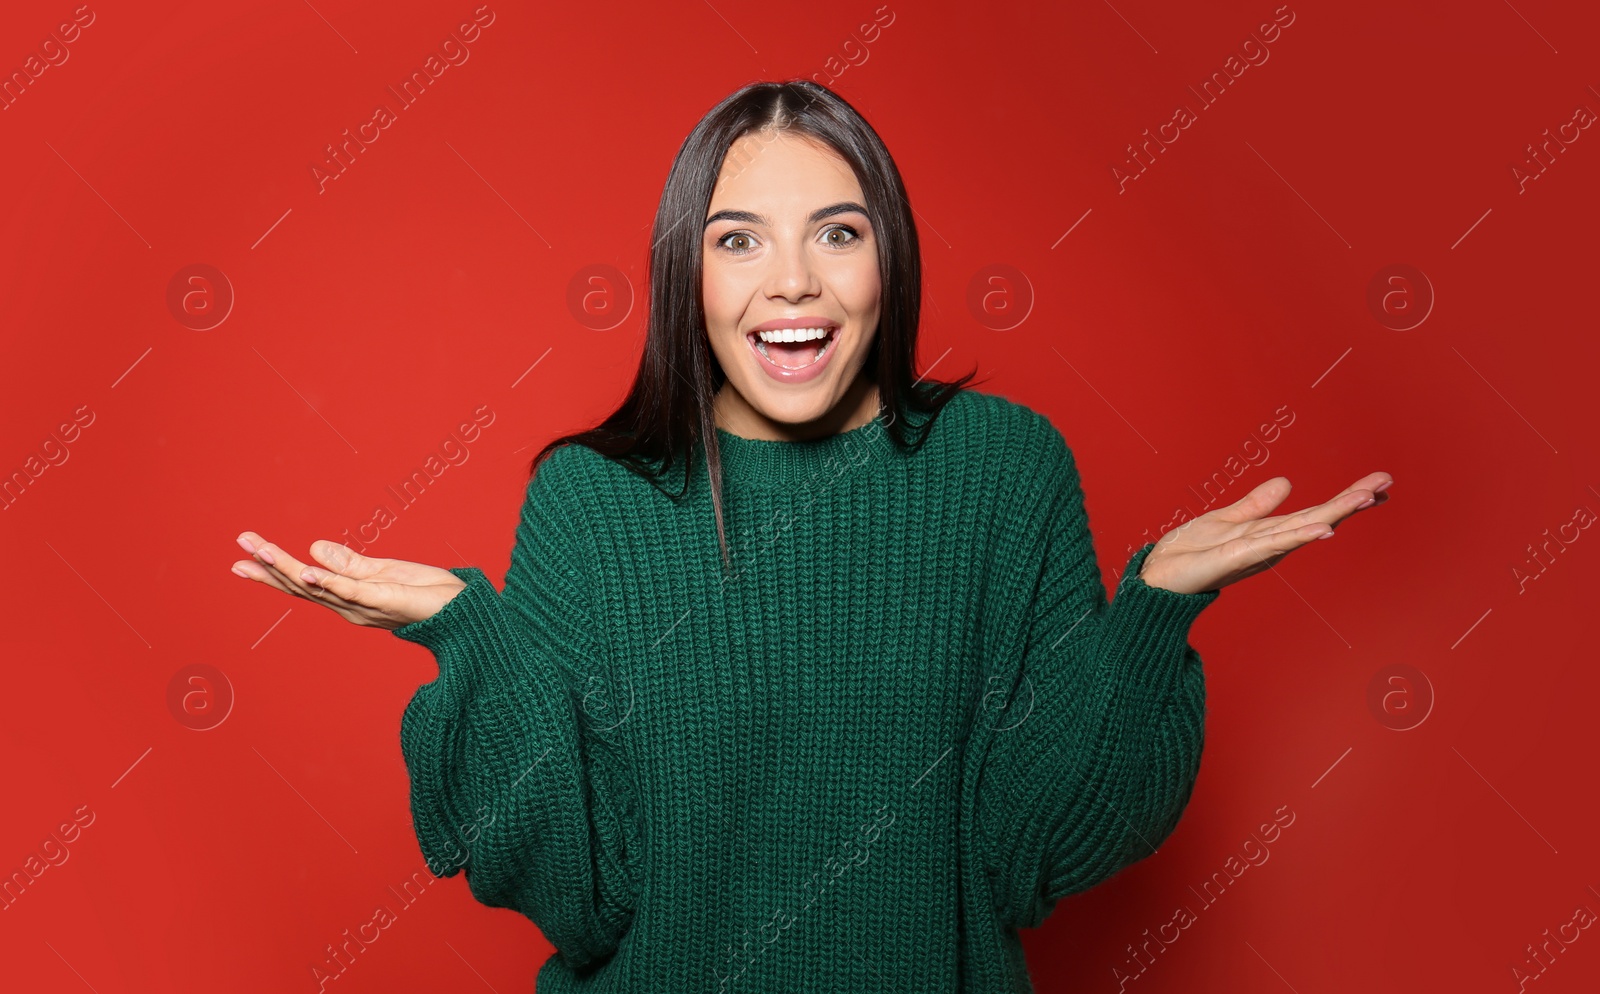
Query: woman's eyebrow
point(746, 217)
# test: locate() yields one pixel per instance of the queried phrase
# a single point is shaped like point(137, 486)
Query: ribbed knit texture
point(903, 726)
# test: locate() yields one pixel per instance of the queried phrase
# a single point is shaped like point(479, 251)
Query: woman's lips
point(787, 351)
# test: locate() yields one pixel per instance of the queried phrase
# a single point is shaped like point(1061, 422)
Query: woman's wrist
point(1154, 573)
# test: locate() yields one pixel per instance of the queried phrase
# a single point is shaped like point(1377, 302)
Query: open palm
point(375, 593)
point(1226, 545)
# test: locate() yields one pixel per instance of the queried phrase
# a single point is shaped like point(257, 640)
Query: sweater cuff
point(1149, 626)
point(476, 644)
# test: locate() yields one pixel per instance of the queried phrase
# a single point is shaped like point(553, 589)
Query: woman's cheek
point(712, 297)
point(860, 307)
point(860, 285)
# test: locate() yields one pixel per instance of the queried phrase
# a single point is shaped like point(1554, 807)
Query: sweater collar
point(817, 461)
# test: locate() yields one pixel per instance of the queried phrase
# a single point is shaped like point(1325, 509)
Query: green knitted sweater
point(901, 727)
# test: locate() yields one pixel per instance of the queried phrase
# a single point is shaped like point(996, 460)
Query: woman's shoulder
point(593, 487)
point(573, 468)
point(1011, 460)
point(993, 423)
point(575, 491)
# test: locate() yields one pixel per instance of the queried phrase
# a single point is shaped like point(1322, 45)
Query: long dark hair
point(668, 411)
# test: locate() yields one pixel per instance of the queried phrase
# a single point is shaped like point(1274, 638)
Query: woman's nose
point(793, 274)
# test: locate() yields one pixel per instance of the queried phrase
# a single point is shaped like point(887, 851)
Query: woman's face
point(787, 245)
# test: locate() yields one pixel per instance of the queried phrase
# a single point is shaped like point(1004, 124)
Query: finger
point(1258, 503)
point(306, 589)
point(284, 567)
point(1264, 551)
point(1330, 513)
point(1376, 482)
point(343, 560)
point(350, 590)
point(264, 575)
point(1313, 528)
point(1377, 500)
point(348, 611)
point(1370, 483)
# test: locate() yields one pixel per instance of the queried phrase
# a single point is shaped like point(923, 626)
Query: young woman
point(804, 675)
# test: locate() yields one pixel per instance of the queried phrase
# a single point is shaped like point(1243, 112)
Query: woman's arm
point(496, 745)
point(1097, 756)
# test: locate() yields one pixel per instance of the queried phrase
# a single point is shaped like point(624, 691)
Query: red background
point(1227, 284)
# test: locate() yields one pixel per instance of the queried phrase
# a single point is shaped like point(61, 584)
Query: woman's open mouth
point(794, 354)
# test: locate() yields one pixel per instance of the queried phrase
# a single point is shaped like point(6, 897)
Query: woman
point(804, 675)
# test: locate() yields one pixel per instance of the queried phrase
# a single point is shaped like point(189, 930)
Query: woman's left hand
point(1226, 545)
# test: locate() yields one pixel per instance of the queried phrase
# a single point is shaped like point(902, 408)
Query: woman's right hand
point(375, 593)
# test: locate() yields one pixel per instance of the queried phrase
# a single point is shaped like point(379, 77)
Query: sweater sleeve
point(503, 781)
point(1096, 758)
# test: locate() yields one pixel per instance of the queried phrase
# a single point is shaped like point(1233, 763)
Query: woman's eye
point(843, 229)
point(739, 243)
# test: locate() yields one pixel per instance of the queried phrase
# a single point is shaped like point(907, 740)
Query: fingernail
point(1366, 503)
point(1329, 535)
point(266, 556)
point(311, 576)
point(244, 543)
point(239, 572)
point(1383, 487)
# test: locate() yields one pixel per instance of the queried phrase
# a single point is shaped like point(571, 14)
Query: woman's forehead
point(786, 175)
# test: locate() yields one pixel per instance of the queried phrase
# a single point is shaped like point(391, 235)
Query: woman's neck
point(732, 413)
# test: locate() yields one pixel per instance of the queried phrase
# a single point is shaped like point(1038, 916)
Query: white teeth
point(761, 346)
point(792, 334)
